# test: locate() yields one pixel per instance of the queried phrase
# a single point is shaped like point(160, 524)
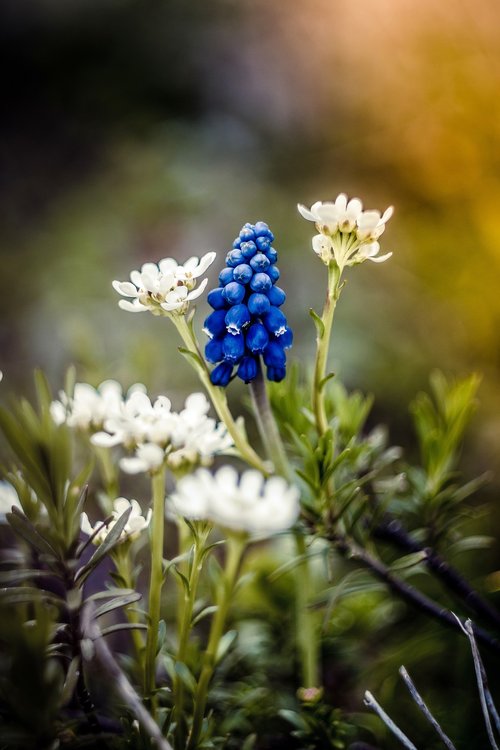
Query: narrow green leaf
point(409, 561)
point(320, 326)
point(119, 601)
point(123, 626)
point(112, 539)
point(185, 676)
point(325, 380)
point(70, 682)
point(204, 613)
point(225, 644)
point(24, 528)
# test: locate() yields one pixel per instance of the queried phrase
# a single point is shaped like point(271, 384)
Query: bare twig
point(392, 531)
point(410, 594)
point(482, 683)
point(95, 649)
point(375, 706)
point(423, 707)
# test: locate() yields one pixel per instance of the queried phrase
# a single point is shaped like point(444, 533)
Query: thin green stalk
point(235, 547)
point(268, 428)
point(189, 601)
point(121, 557)
point(306, 620)
point(218, 397)
point(155, 584)
point(307, 630)
point(109, 475)
point(322, 348)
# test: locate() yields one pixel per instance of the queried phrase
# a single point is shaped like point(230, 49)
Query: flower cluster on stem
point(164, 288)
point(246, 322)
point(347, 234)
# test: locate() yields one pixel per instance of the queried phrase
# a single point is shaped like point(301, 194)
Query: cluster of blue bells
point(247, 322)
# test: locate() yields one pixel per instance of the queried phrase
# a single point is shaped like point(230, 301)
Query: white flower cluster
point(248, 503)
point(156, 434)
point(347, 234)
point(164, 287)
point(136, 522)
point(89, 407)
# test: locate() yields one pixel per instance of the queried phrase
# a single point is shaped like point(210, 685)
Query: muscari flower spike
point(246, 322)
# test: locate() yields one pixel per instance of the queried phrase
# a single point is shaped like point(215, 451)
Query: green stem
point(109, 475)
point(306, 620)
point(218, 397)
point(185, 629)
point(268, 428)
point(121, 557)
point(155, 584)
point(236, 545)
point(322, 348)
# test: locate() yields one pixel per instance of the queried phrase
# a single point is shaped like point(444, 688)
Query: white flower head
point(89, 407)
point(136, 522)
point(248, 503)
point(180, 440)
point(164, 287)
point(347, 234)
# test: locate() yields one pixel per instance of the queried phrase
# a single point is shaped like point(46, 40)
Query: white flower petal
point(134, 306)
point(126, 288)
point(205, 262)
point(198, 291)
point(305, 212)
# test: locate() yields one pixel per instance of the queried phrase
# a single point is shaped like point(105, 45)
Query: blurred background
point(138, 129)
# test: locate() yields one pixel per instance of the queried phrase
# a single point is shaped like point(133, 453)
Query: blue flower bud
point(275, 321)
point(221, 375)
point(234, 292)
point(215, 324)
point(233, 347)
point(261, 282)
point(274, 355)
point(247, 369)
point(225, 276)
point(236, 318)
point(276, 296)
point(259, 262)
point(276, 374)
point(234, 257)
point(286, 338)
point(213, 350)
point(257, 338)
point(261, 229)
point(263, 243)
point(237, 242)
point(258, 304)
point(216, 299)
point(242, 273)
point(247, 234)
point(248, 249)
point(272, 254)
point(273, 273)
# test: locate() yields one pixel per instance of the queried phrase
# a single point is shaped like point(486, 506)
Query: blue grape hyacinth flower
point(246, 323)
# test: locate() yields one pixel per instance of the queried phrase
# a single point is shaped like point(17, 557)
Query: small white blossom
point(89, 407)
point(137, 420)
point(8, 499)
point(166, 287)
point(135, 524)
point(248, 503)
point(148, 457)
point(347, 234)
